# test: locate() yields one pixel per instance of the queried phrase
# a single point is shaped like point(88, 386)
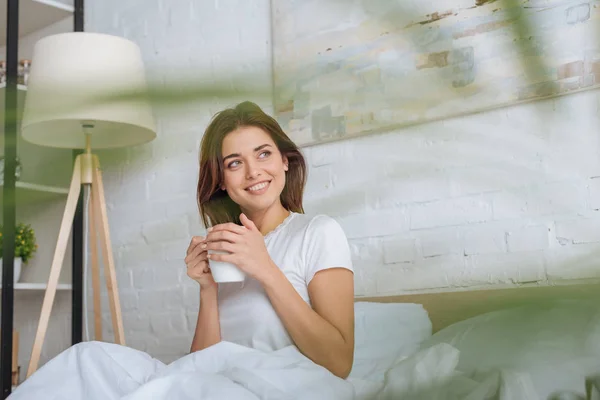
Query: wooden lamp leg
point(92, 218)
point(15, 358)
point(107, 255)
point(57, 261)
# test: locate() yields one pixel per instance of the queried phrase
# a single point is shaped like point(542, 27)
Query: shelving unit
point(29, 193)
point(39, 286)
point(40, 192)
point(35, 15)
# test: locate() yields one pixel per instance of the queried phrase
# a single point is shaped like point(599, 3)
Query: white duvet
point(105, 371)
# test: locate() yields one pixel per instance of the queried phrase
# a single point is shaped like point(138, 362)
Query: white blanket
point(105, 371)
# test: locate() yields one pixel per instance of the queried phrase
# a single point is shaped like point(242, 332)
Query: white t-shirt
point(300, 246)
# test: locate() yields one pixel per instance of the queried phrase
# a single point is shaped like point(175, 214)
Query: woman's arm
point(208, 328)
point(324, 333)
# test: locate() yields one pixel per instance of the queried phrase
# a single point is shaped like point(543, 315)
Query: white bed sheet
point(105, 371)
point(388, 365)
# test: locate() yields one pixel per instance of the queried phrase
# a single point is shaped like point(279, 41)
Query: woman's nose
point(252, 171)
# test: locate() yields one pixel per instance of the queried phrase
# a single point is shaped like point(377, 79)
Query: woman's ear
point(285, 163)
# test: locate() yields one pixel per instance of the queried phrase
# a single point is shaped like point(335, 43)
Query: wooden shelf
point(32, 192)
point(39, 286)
point(36, 15)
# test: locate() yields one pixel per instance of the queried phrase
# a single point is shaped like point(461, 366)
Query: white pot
point(17, 271)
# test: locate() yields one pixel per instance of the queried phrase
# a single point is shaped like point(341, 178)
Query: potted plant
point(25, 247)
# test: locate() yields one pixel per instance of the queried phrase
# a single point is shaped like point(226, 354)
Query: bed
point(446, 308)
point(536, 342)
point(518, 343)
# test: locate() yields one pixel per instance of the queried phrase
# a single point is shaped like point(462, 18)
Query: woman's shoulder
point(317, 224)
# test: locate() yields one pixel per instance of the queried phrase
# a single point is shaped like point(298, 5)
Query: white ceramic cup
point(223, 271)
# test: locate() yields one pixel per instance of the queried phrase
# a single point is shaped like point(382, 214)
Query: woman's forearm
point(314, 336)
point(208, 329)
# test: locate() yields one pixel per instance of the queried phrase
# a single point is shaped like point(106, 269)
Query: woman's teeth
point(258, 187)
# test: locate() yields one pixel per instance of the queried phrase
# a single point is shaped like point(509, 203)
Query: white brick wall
point(499, 198)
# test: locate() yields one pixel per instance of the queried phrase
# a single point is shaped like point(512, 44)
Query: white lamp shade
point(71, 76)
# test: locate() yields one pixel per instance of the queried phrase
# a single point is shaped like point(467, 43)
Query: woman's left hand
point(246, 246)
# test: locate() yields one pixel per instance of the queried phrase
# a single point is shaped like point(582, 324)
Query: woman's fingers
point(196, 263)
point(229, 226)
point(220, 246)
point(196, 240)
point(228, 258)
point(222, 235)
point(197, 252)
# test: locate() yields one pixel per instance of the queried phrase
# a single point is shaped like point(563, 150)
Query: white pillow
point(385, 333)
point(553, 345)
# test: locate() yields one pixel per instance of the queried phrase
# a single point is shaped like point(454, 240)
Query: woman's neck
point(269, 219)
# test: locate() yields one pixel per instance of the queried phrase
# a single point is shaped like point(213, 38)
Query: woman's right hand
point(197, 263)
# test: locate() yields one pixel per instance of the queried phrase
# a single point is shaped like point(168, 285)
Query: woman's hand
point(245, 245)
point(197, 263)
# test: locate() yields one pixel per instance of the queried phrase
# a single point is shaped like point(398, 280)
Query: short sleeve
point(325, 246)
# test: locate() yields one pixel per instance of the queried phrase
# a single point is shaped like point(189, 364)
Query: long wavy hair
point(215, 205)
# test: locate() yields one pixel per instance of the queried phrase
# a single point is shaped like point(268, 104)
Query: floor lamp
point(71, 76)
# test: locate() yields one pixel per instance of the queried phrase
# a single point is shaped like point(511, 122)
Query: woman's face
point(253, 169)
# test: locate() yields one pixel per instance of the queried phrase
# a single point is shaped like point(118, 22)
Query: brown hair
point(216, 207)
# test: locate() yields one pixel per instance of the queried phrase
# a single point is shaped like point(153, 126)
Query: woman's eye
point(264, 154)
point(232, 164)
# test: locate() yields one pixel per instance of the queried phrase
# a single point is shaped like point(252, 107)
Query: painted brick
point(161, 299)
point(440, 242)
point(493, 177)
point(136, 322)
point(433, 273)
point(559, 198)
point(527, 239)
point(546, 199)
point(450, 212)
point(365, 275)
point(376, 223)
point(137, 255)
point(350, 174)
point(168, 324)
point(579, 231)
point(329, 154)
point(484, 239)
point(318, 179)
point(337, 203)
point(399, 250)
point(143, 278)
point(578, 13)
point(388, 190)
point(509, 205)
point(507, 268)
point(423, 187)
point(594, 193)
point(157, 231)
point(575, 262)
point(174, 252)
point(169, 183)
point(369, 249)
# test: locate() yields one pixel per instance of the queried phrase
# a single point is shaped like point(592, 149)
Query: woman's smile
point(259, 188)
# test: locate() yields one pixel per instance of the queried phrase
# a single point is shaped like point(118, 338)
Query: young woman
point(299, 287)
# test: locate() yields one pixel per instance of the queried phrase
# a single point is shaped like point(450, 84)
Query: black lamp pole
point(77, 249)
